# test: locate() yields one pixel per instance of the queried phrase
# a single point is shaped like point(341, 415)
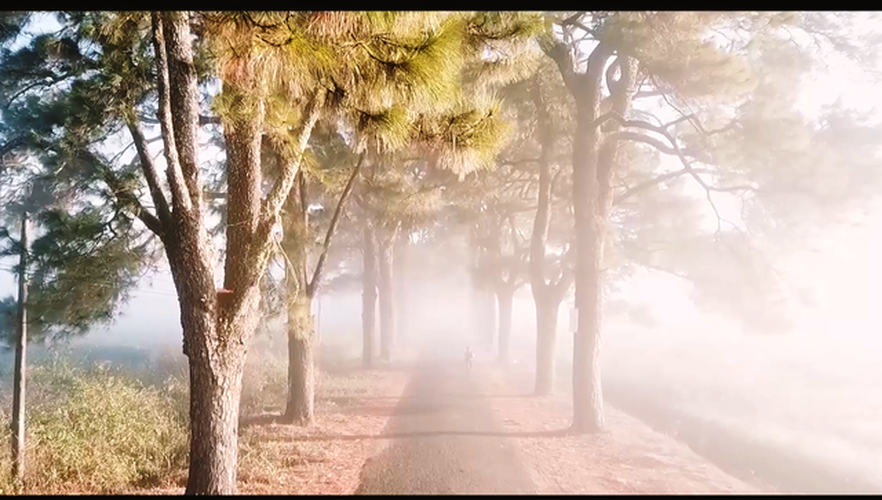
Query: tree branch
point(312, 286)
point(124, 196)
point(183, 93)
point(180, 197)
point(150, 173)
point(274, 200)
point(673, 149)
point(560, 54)
point(648, 184)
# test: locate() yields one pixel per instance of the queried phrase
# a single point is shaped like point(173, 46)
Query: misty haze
point(586, 252)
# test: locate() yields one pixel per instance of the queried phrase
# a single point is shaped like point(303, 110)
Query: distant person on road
point(469, 356)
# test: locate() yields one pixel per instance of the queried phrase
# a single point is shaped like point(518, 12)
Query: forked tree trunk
point(216, 348)
point(505, 297)
point(217, 324)
point(546, 336)
point(387, 299)
point(368, 295)
point(299, 407)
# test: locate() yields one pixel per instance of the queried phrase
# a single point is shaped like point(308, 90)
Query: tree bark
point(215, 390)
point(387, 298)
point(368, 295)
point(505, 298)
point(19, 448)
point(587, 384)
point(300, 405)
point(593, 164)
point(546, 296)
point(546, 337)
point(489, 315)
point(217, 324)
point(300, 328)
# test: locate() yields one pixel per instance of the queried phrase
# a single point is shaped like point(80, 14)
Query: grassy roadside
point(108, 429)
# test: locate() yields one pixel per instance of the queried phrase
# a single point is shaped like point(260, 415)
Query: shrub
point(99, 429)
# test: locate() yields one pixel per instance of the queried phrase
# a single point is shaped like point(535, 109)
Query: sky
point(840, 271)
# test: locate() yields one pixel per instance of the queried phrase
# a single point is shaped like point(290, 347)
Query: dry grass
point(96, 430)
point(628, 458)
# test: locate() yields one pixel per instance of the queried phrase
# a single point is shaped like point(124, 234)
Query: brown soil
point(626, 458)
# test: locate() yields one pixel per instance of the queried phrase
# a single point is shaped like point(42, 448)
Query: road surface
point(445, 439)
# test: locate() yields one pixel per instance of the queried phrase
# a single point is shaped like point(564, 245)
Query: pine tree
point(673, 57)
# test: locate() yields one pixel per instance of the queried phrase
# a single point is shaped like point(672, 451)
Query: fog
point(794, 411)
point(814, 394)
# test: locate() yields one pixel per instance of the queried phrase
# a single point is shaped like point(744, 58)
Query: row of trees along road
point(538, 135)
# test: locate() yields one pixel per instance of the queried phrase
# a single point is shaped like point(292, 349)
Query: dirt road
point(445, 439)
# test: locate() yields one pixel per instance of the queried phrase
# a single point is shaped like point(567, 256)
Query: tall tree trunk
point(368, 295)
point(505, 297)
point(545, 295)
point(299, 407)
point(387, 298)
point(476, 294)
point(216, 332)
point(594, 163)
point(587, 384)
point(547, 309)
point(488, 311)
point(19, 447)
point(400, 274)
point(300, 328)
point(217, 324)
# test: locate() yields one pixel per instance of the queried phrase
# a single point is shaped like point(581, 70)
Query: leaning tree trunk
point(387, 299)
point(368, 295)
point(546, 336)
